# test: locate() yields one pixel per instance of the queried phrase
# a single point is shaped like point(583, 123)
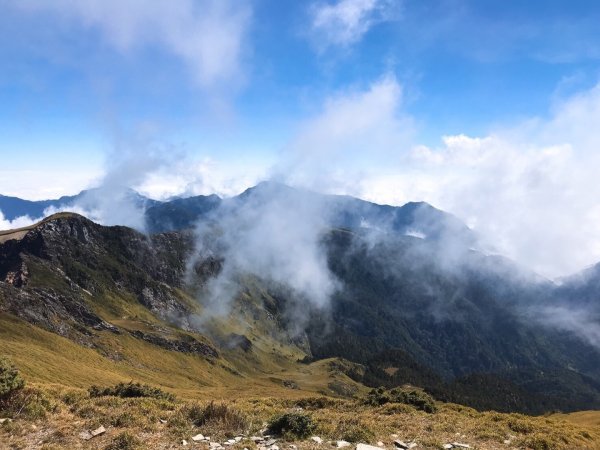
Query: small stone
point(270, 442)
point(448, 446)
point(98, 431)
point(507, 441)
point(401, 444)
point(380, 444)
point(256, 439)
point(184, 442)
point(5, 420)
point(198, 438)
point(237, 438)
point(316, 439)
point(214, 445)
point(366, 447)
point(459, 445)
point(342, 444)
point(85, 435)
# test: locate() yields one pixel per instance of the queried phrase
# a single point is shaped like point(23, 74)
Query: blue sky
point(485, 108)
point(465, 67)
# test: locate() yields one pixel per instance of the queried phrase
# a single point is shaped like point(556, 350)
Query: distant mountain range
point(418, 218)
point(416, 301)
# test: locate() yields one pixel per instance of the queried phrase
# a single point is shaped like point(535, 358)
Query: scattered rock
point(459, 445)
point(380, 444)
point(214, 445)
point(270, 442)
point(366, 447)
point(316, 439)
point(87, 435)
point(401, 444)
point(7, 420)
point(163, 421)
point(342, 444)
point(184, 442)
point(198, 438)
point(237, 438)
point(448, 446)
point(256, 439)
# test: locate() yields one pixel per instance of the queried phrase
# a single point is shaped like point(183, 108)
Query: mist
point(274, 233)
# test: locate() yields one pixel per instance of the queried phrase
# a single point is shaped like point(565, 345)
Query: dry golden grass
point(73, 411)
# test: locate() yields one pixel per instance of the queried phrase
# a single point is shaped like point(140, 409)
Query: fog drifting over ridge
point(530, 188)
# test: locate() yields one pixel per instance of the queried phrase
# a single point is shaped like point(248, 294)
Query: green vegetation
point(218, 417)
point(10, 379)
point(408, 396)
point(292, 426)
point(124, 441)
point(130, 390)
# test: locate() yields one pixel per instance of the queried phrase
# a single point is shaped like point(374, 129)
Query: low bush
point(10, 379)
point(354, 430)
point(218, 416)
point(131, 390)
point(124, 441)
point(292, 425)
point(418, 398)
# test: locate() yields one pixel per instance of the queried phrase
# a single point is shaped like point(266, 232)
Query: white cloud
point(354, 132)
point(19, 222)
point(206, 34)
point(346, 21)
point(532, 189)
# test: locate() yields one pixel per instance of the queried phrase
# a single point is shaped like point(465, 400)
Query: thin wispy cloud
point(207, 35)
point(345, 22)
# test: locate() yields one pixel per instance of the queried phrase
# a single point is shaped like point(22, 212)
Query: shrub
point(220, 416)
point(538, 442)
point(315, 403)
point(408, 396)
point(124, 441)
point(292, 425)
point(131, 390)
point(354, 430)
point(10, 379)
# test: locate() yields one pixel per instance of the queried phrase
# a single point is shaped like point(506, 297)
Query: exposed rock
point(401, 444)
point(188, 346)
point(342, 444)
point(87, 435)
point(380, 444)
point(459, 445)
point(448, 446)
point(316, 439)
point(270, 442)
point(5, 420)
point(366, 447)
point(198, 438)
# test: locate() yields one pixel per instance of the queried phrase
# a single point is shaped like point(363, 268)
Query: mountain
point(416, 218)
point(429, 310)
point(14, 207)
